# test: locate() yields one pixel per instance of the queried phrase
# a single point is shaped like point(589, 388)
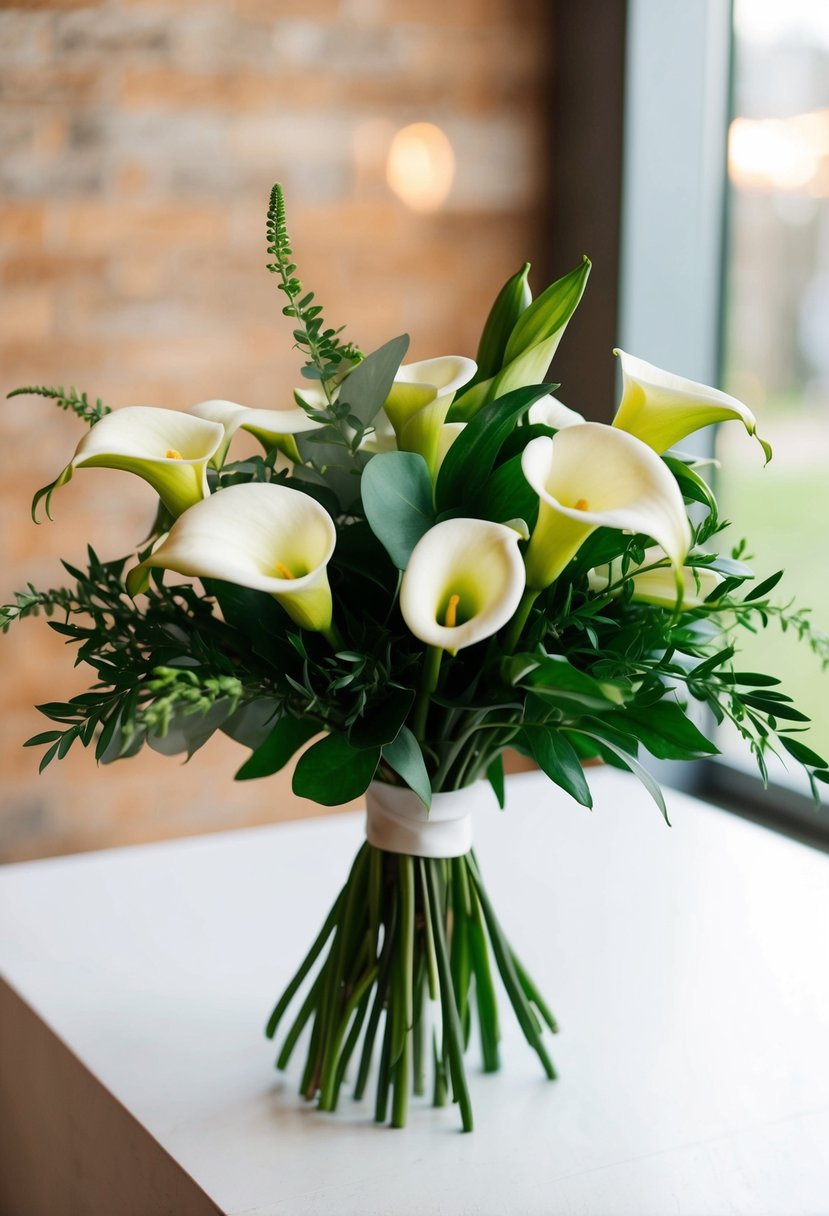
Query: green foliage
point(73, 401)
point(327, 358)
point(397, 500)
point(581, 674)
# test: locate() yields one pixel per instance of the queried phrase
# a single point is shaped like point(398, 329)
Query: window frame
point(673, 257)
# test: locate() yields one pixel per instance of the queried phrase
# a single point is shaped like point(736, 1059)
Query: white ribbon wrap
point(397, 821)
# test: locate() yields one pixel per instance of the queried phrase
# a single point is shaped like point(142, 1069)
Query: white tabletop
point(687, 967)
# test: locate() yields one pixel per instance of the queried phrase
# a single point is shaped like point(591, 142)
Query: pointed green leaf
point(472, 456)
point(555, 755)
point(511, 301)
point(406, 758)
point(382, 722)
point(286, 738)
point(495, 777)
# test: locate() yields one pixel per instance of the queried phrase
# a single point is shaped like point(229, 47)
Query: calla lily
point(277, 428)
point(656, 584)
point(168, 449)
point(273, 428)
point(593, 476)
point(418, 384)
point(267, 537)
point(382, 438)
point(229, 414)
point(449, 432)
point(660, 408)
point(551, 412)
point(464, 581)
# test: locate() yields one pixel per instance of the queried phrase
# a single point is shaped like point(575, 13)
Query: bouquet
point(428, 563)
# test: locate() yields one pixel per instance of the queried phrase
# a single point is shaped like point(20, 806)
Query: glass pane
point(777, 322)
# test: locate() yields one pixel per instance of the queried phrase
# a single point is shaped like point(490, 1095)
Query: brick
point(28, 313)
point(98, 224)
point(140, 141)
point(56, 83)
point(22, 224)
point(32, 269)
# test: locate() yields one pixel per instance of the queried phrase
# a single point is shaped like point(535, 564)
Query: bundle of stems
point(407, 934)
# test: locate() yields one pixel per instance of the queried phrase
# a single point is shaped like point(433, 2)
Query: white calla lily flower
point(267, 537)
point(449, 432)
point(277, 429)
point(168, 449)
point(656, 583)
point(549, 411)
point(464, 581)
point(660, 408)
point(229, 414)
point(382, 438)
point(593, 476)
point(273, 428)
point(418, 384)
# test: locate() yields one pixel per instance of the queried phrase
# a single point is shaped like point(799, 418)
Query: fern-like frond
point(328, 359)
point(78, 403)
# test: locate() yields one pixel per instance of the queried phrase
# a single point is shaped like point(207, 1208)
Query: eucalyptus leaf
point(333, 771)
point(397, 500)
point(366, 388)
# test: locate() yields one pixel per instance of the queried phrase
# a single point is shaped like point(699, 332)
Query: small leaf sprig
point(327, 358)
point(71, 401)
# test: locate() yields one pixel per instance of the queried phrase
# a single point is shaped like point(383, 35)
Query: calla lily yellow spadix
point(593, 476)
point(266, 537)
point(168, 449)
point(464, 581)
point(655, 583)
point(660, 408)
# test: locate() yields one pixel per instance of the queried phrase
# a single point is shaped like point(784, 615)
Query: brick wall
point(138, 143)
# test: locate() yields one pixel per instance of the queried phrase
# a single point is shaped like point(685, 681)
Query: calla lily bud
point(551, 412)
point(168, 449)
point(531, 345)
point(660, 408)
point(593, 476)
point(464, 581)
point(259, 535)
point(656, 584)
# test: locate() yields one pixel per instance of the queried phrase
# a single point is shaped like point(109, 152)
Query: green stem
point(308, 962)
point(518, 622)
point(449, 1009)
point(428, 683)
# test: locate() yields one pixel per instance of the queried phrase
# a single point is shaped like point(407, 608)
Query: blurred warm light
point(421, 166)
point(790, 154)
